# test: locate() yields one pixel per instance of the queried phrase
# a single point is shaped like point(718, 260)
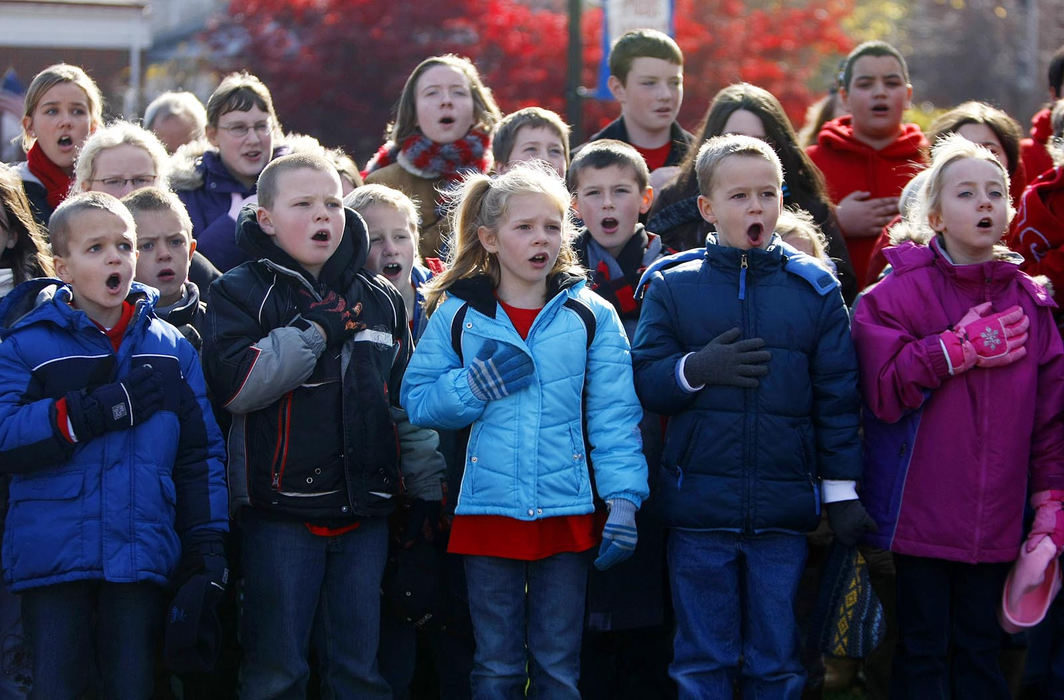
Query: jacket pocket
point(580, 472)
point(45, 526)
point(472, 466)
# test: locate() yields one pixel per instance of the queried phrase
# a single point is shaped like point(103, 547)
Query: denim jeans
point(733, 597)
point(949, 637)
point(79, 627)
point(528, 617)
point(304, 591)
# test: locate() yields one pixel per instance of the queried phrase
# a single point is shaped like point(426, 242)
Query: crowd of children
point(518, 419)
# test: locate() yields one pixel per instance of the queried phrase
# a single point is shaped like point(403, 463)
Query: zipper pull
point(742, 278)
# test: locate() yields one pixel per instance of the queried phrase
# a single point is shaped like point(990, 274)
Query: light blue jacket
point(526, 456)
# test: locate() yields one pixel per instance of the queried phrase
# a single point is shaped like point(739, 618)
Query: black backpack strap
point(456, 331)
point(586, 315)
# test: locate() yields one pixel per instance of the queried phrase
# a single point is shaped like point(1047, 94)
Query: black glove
point(117, 406)
point(204, 553)
point(333, 315)
point(725, 362)
point(849, 520)
point(422, 521)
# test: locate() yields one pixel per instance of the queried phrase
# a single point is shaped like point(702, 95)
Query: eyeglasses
point(241, 130)
point(137, 181)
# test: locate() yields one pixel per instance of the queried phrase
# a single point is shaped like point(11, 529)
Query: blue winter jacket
point(526, 456)
point(750, 460)
point(116, 507)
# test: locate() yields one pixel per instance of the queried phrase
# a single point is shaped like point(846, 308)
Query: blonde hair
point(719, 148)
point(485, 112)
point(115, 134)
point(48, 79)
point(483, 201)
point(368, 195)
point(796, 223)
point(947, 151)
point(62, 224)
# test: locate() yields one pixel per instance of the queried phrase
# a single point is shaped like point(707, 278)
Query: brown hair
point(642, 43)
point(604, 153)
point(30, 256)
point(61, 225)
point(155, 199)
point(1006, 128)
point(271, 174)
point(485, 112)
point(239, 92)
point(871, 48)
point(502, 143)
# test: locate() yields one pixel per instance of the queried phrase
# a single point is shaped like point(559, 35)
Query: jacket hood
point(838, 134)
point(29, 303)
point(338, 271)
point(1042, 126)
point(185, 170)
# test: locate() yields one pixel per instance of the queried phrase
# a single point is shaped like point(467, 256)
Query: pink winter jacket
point(949, 460)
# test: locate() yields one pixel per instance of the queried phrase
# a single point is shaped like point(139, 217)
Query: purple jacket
point(949, 460)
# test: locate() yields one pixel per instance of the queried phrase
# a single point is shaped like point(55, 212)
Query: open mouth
point(113, 281)
point(985, 223)
point(753, 233)
point(880, 109)
point(65, 141)
point(539, 258)
point(447, 121)
point(253, 155)
point(166, 275)
point(321, 236)
point(610, 224)
point(392, 269)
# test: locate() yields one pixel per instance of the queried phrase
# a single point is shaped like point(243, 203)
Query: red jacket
point(1037, 230)
point(850, 165)
point(1033, 154)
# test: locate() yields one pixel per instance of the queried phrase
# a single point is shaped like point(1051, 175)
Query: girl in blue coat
point(518, 347)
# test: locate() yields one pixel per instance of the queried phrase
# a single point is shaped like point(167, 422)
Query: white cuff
point(682, 380)
point(838, 490)
point(949, 365)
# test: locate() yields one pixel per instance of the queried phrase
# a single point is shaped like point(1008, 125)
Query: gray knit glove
point(728, 361)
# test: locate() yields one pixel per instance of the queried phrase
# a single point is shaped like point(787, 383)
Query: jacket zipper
point(284, 415)
point(747, 485)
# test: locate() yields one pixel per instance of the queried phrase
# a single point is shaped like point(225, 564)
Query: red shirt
point(499, 536)
point(655, 157)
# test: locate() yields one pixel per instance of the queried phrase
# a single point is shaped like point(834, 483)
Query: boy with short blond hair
point(646, 77)
point(869, 155)
point(117, 486)
point(532, 133)
point(306, 349)
point(754, 435)
point(165, 247)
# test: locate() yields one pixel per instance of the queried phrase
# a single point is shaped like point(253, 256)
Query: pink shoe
point(1032, 584)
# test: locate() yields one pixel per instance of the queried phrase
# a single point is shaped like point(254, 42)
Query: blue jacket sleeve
point(836, 402)
point(613, 412)
point(435, 391)
point(29, 436)
point(656, 349)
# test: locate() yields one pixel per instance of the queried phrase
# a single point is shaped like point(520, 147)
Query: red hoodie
point(1037, 230)
point(850, 165)
point(1036, 159)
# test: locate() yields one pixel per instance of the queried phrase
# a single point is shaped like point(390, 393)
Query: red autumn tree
point(336, 67)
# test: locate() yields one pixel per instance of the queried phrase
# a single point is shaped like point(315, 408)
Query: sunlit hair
point(368, 195)
point(720, 148)
point(48, 79)
point(116, 134)
point(148, 199)
point(239, 92)
point(803, 178)
point(641, 43)
point(602, 154)
point(795, 223)
point(177, 104)
point(270, 179)
point(502, 143)
point(1056, 141)
point(1005, 128)
point(30, 256)
point(481, 200)
point(64, 219)
point(485, 112)
point(946, 152)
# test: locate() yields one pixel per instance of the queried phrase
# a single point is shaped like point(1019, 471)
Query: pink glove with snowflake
point(1048, 519)
point(985, 341)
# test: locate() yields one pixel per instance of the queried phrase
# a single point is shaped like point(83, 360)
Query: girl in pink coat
point(962, 371)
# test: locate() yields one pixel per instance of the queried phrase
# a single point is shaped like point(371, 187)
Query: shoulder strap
point(806, 267)
point(664, 263)
point(456, 331)
point(586, 315)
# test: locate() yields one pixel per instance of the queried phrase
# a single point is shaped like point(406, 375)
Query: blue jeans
point(733, 597)
point(949, 637)
point(303, 590)
point(528, 617)
point(76, 628)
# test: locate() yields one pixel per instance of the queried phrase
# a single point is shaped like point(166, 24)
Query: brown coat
point(425, 193)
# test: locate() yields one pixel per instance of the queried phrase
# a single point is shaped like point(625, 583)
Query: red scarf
point(55, 180)
point(425, 158)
